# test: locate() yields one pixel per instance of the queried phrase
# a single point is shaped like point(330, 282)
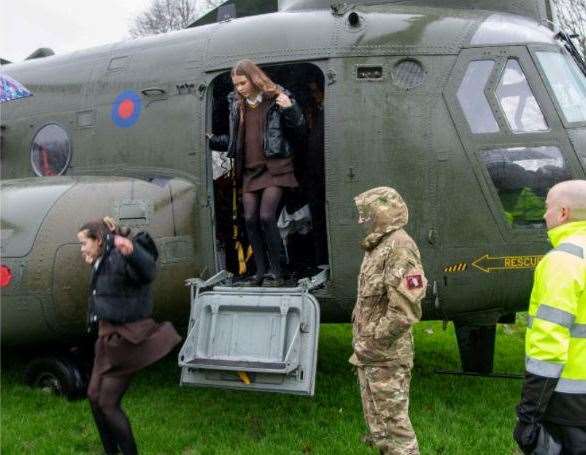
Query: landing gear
point(476, 345)
point(63, 375)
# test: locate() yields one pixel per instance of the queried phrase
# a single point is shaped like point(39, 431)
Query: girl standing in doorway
point(264, 121)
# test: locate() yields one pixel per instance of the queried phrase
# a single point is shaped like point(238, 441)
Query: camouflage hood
point(384, 209)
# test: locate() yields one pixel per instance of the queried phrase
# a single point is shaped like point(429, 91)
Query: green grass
point(451, 414)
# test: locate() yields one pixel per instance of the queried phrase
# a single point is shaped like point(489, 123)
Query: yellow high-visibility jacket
point(555, 343)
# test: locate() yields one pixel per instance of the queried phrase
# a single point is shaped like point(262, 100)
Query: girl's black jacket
point(120, 287)
point(282, 126)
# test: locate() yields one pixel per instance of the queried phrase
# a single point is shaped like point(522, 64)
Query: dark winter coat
point(282, 128)
point(120, 288)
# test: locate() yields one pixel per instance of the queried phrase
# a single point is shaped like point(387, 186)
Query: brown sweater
point(260, 172)
point(254, 119)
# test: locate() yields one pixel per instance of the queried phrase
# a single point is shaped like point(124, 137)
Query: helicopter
point(471, 110)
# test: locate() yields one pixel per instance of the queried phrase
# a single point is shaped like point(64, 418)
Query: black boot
point(250, 281)
point(273, 280)
point(255, 236)
point(274, 244)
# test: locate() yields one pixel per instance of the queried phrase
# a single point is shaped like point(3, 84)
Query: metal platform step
point(271, 333)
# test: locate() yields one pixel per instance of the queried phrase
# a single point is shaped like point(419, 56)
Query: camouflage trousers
point(385, 402)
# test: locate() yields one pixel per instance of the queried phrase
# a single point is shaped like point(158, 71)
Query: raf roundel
point(126, 109)
point(5, 276)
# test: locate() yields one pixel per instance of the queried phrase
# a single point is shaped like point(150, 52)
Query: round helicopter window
point(50, 151)
point(408, 74)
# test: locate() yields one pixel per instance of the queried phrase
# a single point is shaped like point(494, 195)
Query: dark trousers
point(572, 439)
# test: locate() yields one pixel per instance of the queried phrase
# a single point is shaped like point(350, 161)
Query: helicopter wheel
point(58, 375)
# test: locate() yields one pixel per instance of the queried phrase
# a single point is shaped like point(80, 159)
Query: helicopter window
point(473, 100)
point(518, 102)
point(522, 177)
point(567, 82)
point(50, 151)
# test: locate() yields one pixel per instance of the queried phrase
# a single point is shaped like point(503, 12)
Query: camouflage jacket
point(391, 283)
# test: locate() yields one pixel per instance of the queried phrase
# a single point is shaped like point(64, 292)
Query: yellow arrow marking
point(488, 264)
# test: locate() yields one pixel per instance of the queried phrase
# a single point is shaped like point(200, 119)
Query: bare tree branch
point(203, 6)
point(571, 18)
point(167, 15)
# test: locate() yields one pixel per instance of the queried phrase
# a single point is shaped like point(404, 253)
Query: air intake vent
point(408, 74)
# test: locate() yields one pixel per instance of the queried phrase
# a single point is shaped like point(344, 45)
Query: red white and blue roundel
point(126, 109)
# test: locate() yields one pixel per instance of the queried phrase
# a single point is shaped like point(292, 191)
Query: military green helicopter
point(471, 110)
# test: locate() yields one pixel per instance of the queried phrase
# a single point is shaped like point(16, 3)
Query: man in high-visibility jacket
point(554, 392)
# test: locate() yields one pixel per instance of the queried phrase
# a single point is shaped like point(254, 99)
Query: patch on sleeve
point(414, 281)
point(413, 285)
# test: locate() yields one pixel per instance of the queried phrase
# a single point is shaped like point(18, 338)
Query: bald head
point(566, 202)
point(572, 194)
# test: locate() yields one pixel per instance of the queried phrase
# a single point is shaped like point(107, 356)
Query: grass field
point(451, 414)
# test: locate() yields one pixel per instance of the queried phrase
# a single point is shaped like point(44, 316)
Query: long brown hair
point(257, 77)
point(97, 230)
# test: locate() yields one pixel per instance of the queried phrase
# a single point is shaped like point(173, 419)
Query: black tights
point(113, 425)
point(260, 216)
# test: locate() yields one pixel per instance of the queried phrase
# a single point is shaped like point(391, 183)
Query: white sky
point(63, 25)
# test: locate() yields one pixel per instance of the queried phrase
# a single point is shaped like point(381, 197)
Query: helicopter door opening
point(301, 214)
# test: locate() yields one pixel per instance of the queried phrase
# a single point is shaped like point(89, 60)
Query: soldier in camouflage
point(391, 285)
